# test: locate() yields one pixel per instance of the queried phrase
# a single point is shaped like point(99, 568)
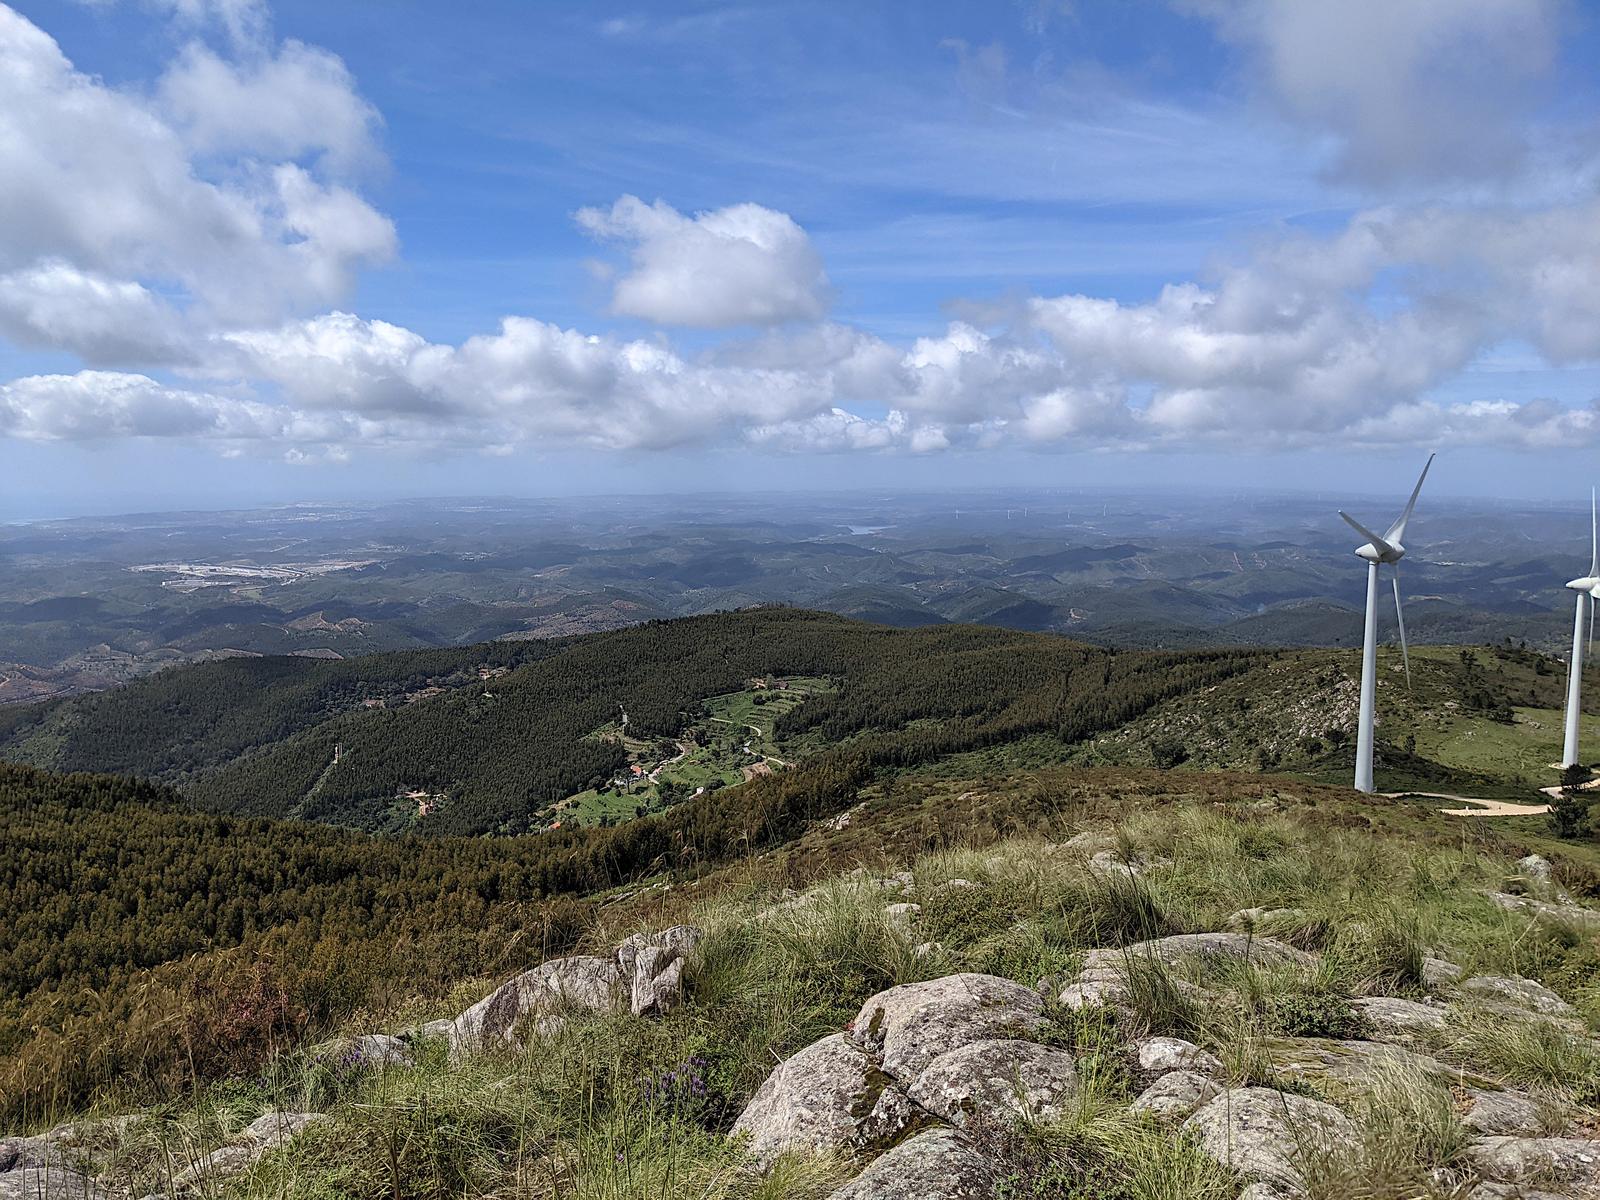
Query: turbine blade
point(1397, 531)
point(1381, 546)
point(1594, 537)
point(1400, 616)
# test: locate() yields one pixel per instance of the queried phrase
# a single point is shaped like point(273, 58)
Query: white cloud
point(741, 265)
point(99, 181)
point(299, 101)
point(54, 306)
point(1413, 90)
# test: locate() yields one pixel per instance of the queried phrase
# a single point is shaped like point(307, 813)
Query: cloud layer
point(190, 244)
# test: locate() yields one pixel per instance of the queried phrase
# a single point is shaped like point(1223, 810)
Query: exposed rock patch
point(937, 1165)
point(1268, 1136)
point(915, 1023)
point(831, 1096)
point(998, 1078)
point(1177, 1094)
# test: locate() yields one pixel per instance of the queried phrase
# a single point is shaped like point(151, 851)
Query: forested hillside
point(292, 738)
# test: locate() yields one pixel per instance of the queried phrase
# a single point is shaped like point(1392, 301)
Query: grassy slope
point(1375, 881)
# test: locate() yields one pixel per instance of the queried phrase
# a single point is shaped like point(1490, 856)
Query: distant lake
point(868, 528)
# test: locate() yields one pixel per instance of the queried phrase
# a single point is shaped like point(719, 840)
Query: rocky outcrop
point(539, 995)
point(257, 1139)
point(829, 1097)
point(915, 1023)
point(1177, 1094)
point(1570, 1165)
point(1161, 1055)
point(1203, 949)
point(380, 1050)
point(998, 1079)
point(1504, 1113)
point(1269, 1136)
point(1396, 1017)
point(48, 1182)
point(936, 1165)
point(645, 973)
point(1517, 992)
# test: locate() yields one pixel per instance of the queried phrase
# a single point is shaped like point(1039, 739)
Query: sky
point(254, 252)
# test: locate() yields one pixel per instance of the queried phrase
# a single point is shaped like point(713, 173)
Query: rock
point(1498, 1113)
point(657, 981)
point(913, 1024)
point(19, 1153)
point(830, 1096)
point(1202, 947)
point(1159, 1055)
point(1536, 866)
point(682, 939)
point(48, 1182)
point(262, 1136)
point(381, 1050)
point(903, 914)
point(1439, 973)
point(582, 981)
point(955, 885)
point(1247, 919)
point(1177, 1094)
point(923, 949)
point(1509, 1191)
point(1266, 1135)
point(1265, 1191)
point(1393, 1016)
point(441, 1028)
point(1522, 993)
point(998, 1078)
point(1111, 862)
point(1355, 1063)
point(1090, 841)
point(1093, 993)
point(936, 1165)
point(1569, 1164)
point(1562, 913)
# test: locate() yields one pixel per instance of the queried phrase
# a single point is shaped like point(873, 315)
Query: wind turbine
point(1379, 550)
point(1588, 589)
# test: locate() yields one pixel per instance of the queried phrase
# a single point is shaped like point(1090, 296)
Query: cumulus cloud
point(1422, 90)
point(298, 101)
point(741, 265)
point(106, 184)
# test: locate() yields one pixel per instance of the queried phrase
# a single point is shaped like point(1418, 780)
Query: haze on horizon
point(253, 253)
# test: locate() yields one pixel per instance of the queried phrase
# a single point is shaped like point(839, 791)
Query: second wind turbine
point(1389, 549)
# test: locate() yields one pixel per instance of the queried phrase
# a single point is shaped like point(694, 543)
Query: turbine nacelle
point(1588, 583)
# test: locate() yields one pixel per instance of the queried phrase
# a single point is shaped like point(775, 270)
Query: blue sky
point(271, 251)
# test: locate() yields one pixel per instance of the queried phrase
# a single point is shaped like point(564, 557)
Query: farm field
point(732, 740)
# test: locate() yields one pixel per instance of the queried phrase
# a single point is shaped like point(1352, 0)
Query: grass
point(613, 1108)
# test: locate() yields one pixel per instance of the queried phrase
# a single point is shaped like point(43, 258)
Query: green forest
point(180, 942)
point(295, 738)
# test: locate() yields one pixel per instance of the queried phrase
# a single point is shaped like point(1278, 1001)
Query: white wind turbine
point(1379, 550)
point(1588, 589)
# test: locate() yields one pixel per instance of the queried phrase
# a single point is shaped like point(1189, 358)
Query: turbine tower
point(1588, 589)
point(1379, 550)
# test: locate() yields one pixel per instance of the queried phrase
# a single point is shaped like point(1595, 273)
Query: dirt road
point(1478, 807)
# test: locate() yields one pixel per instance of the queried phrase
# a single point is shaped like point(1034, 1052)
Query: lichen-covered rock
point(380, 1050)
point(1507, 1191)
point(1199, 947)
point(1514, 990)
point(903, 914)
point(1536, 866)
point(1159, 1055)
point(682, 939)
point(1502, 1113)
point(48, 1182)
point(936, 1165)
point(1177, 1094)
point(1438, 974)
point(262, 1136)
point(915, 1023)
point(1355, 1063)
point(657, 986)
point(830, 1096)
point(1560, 912)
point(1131, 866)
point(582, 981)
point(1396, 1017)
point(19, 1153)
point(1245, 920)
point(1095, 992)
point(1569, 1164)
point(1267, 1135)
point(996, 1078)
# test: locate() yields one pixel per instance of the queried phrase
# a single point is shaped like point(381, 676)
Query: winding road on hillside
point(1477, 806)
